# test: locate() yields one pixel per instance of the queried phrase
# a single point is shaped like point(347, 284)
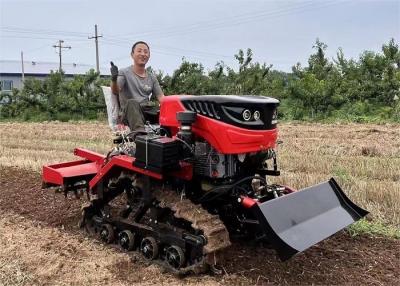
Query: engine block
point(209, 163)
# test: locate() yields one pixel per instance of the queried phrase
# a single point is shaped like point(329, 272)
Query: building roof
point(12, 67)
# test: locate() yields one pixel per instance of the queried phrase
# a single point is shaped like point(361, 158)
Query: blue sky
point(279, 32)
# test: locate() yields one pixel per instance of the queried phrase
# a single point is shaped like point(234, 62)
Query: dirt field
point(40, 243)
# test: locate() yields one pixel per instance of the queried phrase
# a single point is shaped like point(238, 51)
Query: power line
point(162, 49)
point(60, 47)
point(35, 49)
point(245, 18)
point(234, 21)
point(240, 21)
point(199, 26)
point(95, 37)
point(155, 47)
point(168, 52)
point(43, 31)
point(39, 38)
point(202, 23)
point(175, 31)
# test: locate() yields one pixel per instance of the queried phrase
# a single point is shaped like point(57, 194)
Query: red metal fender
point(93, 168)
point(67, 172)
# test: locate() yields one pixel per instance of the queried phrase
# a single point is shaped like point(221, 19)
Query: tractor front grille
point(203, 107)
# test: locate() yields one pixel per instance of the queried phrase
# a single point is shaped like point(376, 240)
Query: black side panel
point(231, 108)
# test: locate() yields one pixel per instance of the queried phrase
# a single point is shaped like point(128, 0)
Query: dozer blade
point(299, 220)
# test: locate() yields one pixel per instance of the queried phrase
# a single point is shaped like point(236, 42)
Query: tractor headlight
point(246, 115)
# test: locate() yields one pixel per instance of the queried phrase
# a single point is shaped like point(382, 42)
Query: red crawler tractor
point(181, 191)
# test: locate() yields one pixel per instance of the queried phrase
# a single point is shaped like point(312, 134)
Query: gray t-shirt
point(133, 86)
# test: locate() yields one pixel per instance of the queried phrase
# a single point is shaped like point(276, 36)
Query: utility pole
point(22, 64)
point(96, 36)
point(60, 47)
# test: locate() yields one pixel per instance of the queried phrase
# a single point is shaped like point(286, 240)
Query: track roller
point(149, 248)
point(126, 240)
point(107, 233)
point(175, 257)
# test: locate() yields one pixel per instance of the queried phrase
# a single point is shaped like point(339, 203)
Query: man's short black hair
point(140, 42)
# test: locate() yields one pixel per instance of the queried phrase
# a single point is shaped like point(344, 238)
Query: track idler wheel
point(107, 233)
point(149, 248)
point(175, 257)
point(126, 240)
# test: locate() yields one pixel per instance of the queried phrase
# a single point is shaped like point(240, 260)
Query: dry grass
point(31, 145)
point(12, 272)
point(51, 260)
point(32, 254)
point(365, 159)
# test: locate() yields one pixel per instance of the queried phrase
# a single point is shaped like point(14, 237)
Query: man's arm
point(160, 96)
point(114, 87)
point(157, 91)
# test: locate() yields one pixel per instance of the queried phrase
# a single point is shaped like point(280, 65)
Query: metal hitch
point(295, 222)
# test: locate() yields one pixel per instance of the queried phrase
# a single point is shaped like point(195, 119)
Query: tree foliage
point(56, 98)
point(367, 88)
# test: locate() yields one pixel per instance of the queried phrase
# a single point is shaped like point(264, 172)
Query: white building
point(11, 71)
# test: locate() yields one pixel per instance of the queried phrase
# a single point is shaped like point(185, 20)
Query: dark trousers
point(136, 114)
point(132, 115)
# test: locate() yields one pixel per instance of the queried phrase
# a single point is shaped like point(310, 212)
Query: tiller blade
point(301, 219)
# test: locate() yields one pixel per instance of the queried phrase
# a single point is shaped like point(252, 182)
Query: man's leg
point(133, 115)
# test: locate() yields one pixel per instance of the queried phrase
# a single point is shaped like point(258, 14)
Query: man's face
point(141, 55)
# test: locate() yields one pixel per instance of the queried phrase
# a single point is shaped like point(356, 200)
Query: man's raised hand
point(114, 72)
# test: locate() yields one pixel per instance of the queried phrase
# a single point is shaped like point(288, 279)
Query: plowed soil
point(40, 244)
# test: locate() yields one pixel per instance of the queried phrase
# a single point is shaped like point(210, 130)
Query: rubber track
point(214, 230)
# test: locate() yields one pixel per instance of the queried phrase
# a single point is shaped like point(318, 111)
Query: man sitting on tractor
point(135, 86)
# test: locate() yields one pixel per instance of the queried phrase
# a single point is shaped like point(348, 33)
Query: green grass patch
point(374, 228)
